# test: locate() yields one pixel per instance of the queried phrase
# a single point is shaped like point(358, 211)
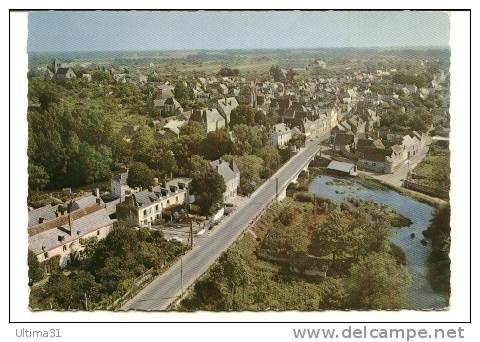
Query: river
point(421, 295)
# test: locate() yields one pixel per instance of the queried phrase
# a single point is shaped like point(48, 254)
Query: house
point(231, 176)
point(373, 159)
point(63, 74)
point(118, 185)
point(342, 168)
point(211, 119)
point(145, 207)
point(60, 230)
point(87, 77)
point(174, 126)
point(68, 238)
point(170, 106)
point(247, 95)
point(344, 142)
point(317, 65)
point(42, 214)
point(280, 135)
point(225, 107)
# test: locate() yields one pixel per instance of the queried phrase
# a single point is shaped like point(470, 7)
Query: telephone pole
point(276, 188)
point(181, 273)
point(86, 301)
point(191, 234)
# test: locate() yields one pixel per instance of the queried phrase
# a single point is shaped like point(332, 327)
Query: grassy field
point(434, 170)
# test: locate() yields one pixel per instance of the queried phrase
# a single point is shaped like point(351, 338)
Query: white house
point(231, 177)
point(146, 206)
point(280, 135)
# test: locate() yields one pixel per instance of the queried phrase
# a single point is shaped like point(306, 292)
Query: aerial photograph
point(235, 161)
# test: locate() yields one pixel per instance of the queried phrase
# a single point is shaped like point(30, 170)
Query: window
point(176, 199)
point(374, 164)
point(144, 212)
point(156, 207)
point(98, 232)
point(45, 255)
point(64, 248)
point(168, 202)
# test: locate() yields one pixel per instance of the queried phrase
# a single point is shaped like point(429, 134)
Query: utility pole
point(181, 273)
point(276, 188)
point(86, 301)
point(191, 234)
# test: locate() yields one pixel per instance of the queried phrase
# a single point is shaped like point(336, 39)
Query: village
point(207, 141)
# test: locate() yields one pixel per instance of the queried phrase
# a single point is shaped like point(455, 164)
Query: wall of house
point(374, 166)
point(153, 212)
point(231, 189)
point(66, 249)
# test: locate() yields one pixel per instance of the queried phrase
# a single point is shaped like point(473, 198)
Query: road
point(167, 287)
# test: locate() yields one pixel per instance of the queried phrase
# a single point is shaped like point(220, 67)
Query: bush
point(287, 216)
point(398, 253)
point(304, 197)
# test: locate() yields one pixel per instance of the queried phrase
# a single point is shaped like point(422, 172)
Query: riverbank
point(410, 239)
point(285, 265)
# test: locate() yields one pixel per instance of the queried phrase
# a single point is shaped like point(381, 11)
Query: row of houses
point(382, 156)
point(61, 230)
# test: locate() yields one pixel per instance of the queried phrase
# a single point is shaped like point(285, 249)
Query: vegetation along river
point(421, 294)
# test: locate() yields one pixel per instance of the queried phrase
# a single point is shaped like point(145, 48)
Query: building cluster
point(62, 230)
point(380, 155)
point(343, 109)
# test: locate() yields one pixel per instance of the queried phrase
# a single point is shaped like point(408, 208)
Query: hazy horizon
point(142, 31)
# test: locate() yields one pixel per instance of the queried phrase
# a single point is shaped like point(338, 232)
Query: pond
point(421, 296)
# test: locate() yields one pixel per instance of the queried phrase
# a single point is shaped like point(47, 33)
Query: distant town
point(239, 180)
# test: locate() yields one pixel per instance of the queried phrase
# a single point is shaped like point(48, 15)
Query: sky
point(168, 30)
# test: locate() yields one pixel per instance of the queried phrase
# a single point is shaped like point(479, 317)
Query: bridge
point(168, 287)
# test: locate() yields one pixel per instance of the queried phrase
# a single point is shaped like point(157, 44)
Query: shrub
point(286, 216)
point(304, 197)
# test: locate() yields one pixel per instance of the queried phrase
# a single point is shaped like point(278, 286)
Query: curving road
point(167, 287)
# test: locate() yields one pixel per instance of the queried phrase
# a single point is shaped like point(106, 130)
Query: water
point(421, 294)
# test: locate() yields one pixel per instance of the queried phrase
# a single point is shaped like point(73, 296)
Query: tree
point(139, 175)
point(235, 274)
point(331, 237)
point(38, 177)
point(243, 114)
point(439, 261)
point(208, 187)
point(377, 282)
point(250, 167)
point(183, 92)
point(271, 158)
point(35, 270)
point(291, 75)
point(277, 74)
point(216, 144)
point(334, 295)
point(228, 72)
point(143, 144)
point(194, 165)
point(165, 163)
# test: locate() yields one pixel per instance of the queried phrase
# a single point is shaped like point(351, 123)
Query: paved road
point(168, 286)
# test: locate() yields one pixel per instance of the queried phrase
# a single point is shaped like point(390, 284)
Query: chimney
point(155, 181)
point(96, 192)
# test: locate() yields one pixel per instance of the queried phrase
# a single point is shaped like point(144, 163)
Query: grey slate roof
point(46, 212)
point(225, 170)
point(340, 166)
point(80, 227)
